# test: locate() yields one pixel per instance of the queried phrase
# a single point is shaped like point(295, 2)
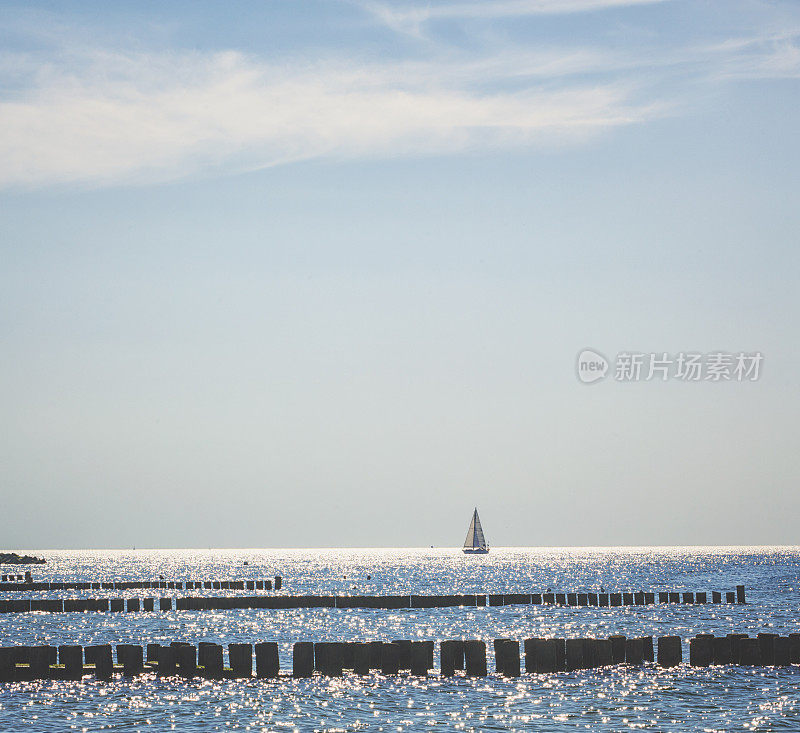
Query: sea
point(619, 698)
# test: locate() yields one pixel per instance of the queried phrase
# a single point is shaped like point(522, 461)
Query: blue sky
point(299, 274)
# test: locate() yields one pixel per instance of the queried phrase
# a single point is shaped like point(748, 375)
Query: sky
point(317, 274)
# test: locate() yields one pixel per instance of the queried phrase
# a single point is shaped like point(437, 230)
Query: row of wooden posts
point(331, 659)
point(204, 603)
point(143, 584)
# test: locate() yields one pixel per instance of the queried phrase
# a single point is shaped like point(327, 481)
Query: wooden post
point(634, 651)
point(267, 661)
point(701, 651)
point(475, 658)
point(419, 658)
point(507, 657)
point(186, 656)
point(303, 659)
point(740, 594)
point(617, 648)
point(361, 657)
point(670, 652)
point(71, 656)
point(721, 650)
point(390, 658)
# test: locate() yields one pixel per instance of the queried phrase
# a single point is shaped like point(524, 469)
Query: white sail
point(475, 538)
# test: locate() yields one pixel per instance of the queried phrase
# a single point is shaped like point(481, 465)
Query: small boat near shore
point(475, 542)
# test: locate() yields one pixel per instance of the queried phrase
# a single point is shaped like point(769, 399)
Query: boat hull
point(475, 551)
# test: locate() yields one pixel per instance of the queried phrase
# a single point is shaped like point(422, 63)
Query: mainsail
point(475, 538)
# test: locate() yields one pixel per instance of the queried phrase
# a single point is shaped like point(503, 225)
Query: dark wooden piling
point(767, 646)
point(721, 650)
point(549, 598)
point(794, 648)
point(781, 651)
point(561, 599)
point(390, 658)
point(740, 594)
point(634, 651)
point(647, 648)
point(716, 596)
point(475, 658)
point(670, 652)
point(701, 651)
point(663, 597)
point(700, 597)
point(536, 599)
point(447, 657)
point(688, 597)
point(131, 657)
point(278, 582)
point(420, 658)
point(627, 599)
point(649, 598)
point(241, 660)
point(507, 660)
point(574, 654)
point(303, 659)
point(361, 658)
point(167, 661)
point(736, 646)
point(102, 659)
point(603, 653)
point(638, 598)
point(148, 604)
point(730, 597)
point(616, 599)
point(617, 648)
point(40, 658)
point(404, 653)
point(592, 599)
point(165, 604)
point(750, 652)
point(267, 660)
point(186, 658)
point(583, 599)
point(530, 649)
point(674, 597)
point(7, 664)
point(117, 605)
point(209, 657)
point(71, 656)
point(572, 599)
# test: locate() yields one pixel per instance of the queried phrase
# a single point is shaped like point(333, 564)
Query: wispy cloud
point(117, 117)
point(408, 17)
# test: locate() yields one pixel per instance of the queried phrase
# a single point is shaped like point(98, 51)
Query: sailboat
point(475, 543)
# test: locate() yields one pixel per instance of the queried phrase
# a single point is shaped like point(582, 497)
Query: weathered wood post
point(186, 656)
point(721, 650)
point(210, 659)
point(419, 658)
point(740, 594)
point(507, 657)
point(103, 662)
point(634, 651)
point(404, 653)
point(603, 653)
point(278, 582)
point(267, 661)
point(670, 652)
point(303, 659)
point(781, 654)
point(617, 648)
point(750, 652)
point(390, 658)
point(361, 658)
point(132, 659)
point(767, 645)
point(730, 597)
point(167, 661)
point(447, 658)
point(647, 648)
point(165, 604)
point(241, 659)
point(475, 658)
point(688, 597)
point(574, 654)
point(716, 596)
point(794, 648)
point(701, 651)
point(71, 656)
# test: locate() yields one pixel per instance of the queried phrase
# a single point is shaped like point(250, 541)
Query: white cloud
point(408, 17)
point(138, 117)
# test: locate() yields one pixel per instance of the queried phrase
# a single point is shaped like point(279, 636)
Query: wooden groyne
point(333, 659)
point(142, 585)
point(218, 603)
